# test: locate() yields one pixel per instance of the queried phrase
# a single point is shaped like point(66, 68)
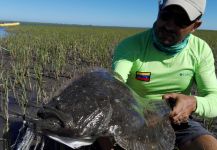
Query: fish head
point(53, 119)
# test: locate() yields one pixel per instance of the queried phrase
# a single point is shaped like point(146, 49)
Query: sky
point(127, 13)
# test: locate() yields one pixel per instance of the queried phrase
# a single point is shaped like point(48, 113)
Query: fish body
point(98, 104)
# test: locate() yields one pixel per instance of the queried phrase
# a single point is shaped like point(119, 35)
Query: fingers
point(180, 118)
point(178, 122)
point(179, 115)
point(170, 99)
point(170, 95)
point(181, 107)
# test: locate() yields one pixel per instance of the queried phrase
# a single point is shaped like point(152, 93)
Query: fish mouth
point(52, 120)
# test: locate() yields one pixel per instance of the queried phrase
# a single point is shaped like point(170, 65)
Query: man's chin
point(167, 43)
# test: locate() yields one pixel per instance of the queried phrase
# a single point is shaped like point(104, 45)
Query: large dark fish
point(98, 104)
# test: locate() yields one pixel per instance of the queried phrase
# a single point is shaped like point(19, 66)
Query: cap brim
point(191, 11)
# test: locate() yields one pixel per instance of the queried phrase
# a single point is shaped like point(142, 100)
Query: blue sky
point(132, 13)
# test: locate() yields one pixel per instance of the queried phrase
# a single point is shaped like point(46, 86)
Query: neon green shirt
point(152, 73)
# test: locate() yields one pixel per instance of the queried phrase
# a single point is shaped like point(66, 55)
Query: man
point(165, 61)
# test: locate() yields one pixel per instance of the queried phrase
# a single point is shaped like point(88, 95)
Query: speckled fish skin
point(97, 104)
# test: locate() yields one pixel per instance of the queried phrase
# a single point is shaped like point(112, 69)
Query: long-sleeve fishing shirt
point(152, 73)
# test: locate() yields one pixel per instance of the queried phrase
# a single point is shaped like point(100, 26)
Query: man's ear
point(197, 24)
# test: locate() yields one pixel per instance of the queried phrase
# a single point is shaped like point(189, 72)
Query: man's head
point(178, 18)
point(193, 8)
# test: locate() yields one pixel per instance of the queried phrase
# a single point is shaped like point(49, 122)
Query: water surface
point(3, 32)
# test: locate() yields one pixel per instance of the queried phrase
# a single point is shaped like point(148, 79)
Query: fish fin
point(72, 143)
point(161, 136)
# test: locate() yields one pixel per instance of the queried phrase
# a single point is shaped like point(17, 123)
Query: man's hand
point(183, 108)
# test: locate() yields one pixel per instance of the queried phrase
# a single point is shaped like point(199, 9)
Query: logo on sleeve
point(143, 76)
point(185, 74)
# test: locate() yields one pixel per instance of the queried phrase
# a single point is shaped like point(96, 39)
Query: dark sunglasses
point(180, 20)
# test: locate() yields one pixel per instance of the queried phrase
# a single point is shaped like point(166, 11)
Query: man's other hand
point(184, 106)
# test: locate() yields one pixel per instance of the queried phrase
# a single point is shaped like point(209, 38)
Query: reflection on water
point(3, 33)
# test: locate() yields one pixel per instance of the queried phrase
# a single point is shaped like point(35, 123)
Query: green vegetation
point(38, 53)
point(36, 57)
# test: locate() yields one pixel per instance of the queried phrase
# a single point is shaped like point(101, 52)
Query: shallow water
point(3, 33)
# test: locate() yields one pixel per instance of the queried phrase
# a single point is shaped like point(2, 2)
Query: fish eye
point(58, 98)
